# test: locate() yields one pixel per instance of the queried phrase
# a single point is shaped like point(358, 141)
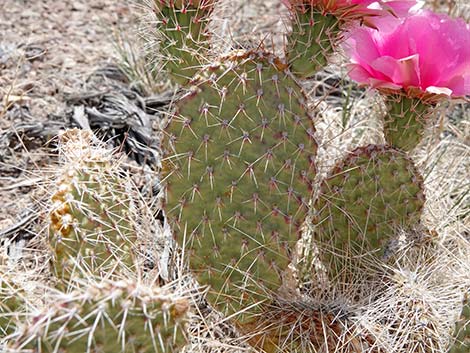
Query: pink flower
point(348, 9)
point(425, 54)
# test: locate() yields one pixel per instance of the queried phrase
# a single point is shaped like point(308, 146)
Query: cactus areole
point(239, 171)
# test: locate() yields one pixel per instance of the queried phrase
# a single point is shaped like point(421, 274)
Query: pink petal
point(363, 46)
point(439, 90)
point(404, 71)
point(374, 83)
point(358, 73)
point(401, 8)
point(459, 85)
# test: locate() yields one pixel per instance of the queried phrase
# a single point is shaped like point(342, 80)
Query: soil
point(48, 50)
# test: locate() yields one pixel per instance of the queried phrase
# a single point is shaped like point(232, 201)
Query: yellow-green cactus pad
point(462, 332)
point(181, 26)
point(12, 305)
point(311, 41)
point(406, 120)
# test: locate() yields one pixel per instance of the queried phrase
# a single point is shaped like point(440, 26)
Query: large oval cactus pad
point(240, 175)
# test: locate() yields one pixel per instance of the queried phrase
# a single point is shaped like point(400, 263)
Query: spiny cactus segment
point(108, 316)
point(12, 301)
point(462, 332)
point(239, 174)
point(311, 40)
point(406, 120)
point(299, 327)
point(182, 26)
point(375, 191)
point(91, 217)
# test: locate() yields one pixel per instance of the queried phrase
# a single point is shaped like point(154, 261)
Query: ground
point(48, 50)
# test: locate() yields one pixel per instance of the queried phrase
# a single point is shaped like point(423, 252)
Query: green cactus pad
point(91, 224)
point(405, 121)
point(368, 196)
point(117, 317)
point(12, 300)
point(462, 332)
point(183, 37)
point(239, 174)
point(311, 41)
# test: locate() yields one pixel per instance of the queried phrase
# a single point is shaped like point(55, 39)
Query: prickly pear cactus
point(406, 120)
point(91, 218)
point(300, 327)
point(311, 40)
point(373, 192)
point(11, 305)
point(182, 26)
point(462, 332)
point(120, 317)
point(239, 174)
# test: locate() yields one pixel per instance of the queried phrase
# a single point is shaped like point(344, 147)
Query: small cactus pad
point(405, 121)
point(368, 196)
point(311, 41)
point(462, 332)
point(183, 36)
point(12, 300)
point(239, 174)
point(117, 317)
point(91, 223)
